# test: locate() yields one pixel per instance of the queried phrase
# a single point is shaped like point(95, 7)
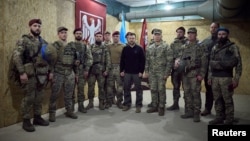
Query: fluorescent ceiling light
point(168, 7)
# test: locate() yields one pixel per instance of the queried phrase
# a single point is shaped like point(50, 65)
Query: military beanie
point(31, 22)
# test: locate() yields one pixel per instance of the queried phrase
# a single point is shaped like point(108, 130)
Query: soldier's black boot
point(161, 111)
point(71, 114)
point(188, 114)
point(152, 110)
point(81, 107)
point(119, 104)
point(38, 120)
point(27, 126)
point(101, 104)
point(52, 117)
point(196, 117)
point(175, 106)
point(150, 105)
point(108, 103)
point(91, 104)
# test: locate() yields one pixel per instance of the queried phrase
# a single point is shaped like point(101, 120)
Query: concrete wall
point(15, 15)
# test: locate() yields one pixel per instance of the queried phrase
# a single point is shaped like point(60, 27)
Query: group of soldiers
point(116, 66)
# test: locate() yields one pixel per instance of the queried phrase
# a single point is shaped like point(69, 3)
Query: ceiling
point(140, 3)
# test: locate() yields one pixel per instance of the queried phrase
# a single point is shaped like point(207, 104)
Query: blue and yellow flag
point(123, 30)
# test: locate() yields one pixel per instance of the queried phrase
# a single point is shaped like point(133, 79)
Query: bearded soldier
point(86, 60)
point(33, 71)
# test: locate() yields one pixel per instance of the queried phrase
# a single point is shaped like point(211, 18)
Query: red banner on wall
point(91, 17)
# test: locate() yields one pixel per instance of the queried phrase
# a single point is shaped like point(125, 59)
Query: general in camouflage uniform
point(114, 80)
point(65, 71)
point(32, 71)
point(159, 61)
point(86, 61)
point(209, 42)
point(176, 76)
point(98, 72)
point(195, 57)
point(225, 59)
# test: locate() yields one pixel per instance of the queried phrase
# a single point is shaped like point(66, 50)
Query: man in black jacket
point(132, 66)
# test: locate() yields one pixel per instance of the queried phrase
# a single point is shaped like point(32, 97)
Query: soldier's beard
point(35, 33)
point(222, 40)
point(98, 42)
point(78, 38)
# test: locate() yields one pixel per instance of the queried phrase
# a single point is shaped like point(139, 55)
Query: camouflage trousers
point(33, 98)
point(80, 87)
point(67, 82)
point(158, 89)
point(176, 78)
point(224, 104)
point(93, 77)
point(192, 96)
point(115, 83)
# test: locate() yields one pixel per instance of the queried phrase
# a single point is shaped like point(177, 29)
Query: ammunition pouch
point(29, 69)
point(67, 60)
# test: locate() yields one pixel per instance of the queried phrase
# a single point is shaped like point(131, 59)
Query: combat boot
point(27, 126)
point(108, 104)
point(91, 104)
point(175, 106)
point(150, 105)
point(161, 111)
point(101, 105)
point(38, 120)
point(73, 105)
point(187, 115)
point(152, 110)
point(70, 114)
point(81, 107)
point(196, 118)
point(119, 104)
point(52, 117)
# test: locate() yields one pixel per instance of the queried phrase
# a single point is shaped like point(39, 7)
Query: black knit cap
point(77, 29)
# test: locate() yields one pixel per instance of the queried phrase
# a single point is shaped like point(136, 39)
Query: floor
point(114, 124)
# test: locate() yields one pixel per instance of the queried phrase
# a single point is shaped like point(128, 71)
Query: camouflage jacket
point(195, 57)
point(28, 52)
point(84, 54)
point(101, 57)
point(217, 63)
point(176, 46)
point(66, 57)
point(159, 59)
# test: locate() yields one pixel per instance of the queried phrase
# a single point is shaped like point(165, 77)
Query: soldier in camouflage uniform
point(86, 61)
point(98, 72)
point(159, 61)
point(65, 72)
point(114, 79)
point(176, 76)
point(195, 59)
point(209, 42)
point(225, 59)
point(33, 71)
